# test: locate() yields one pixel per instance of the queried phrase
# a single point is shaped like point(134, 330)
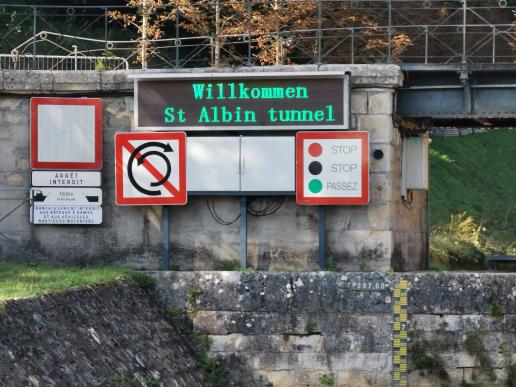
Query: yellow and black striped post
point(399, 334)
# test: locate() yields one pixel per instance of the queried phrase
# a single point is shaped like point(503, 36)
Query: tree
point(148, 21)
point(276, 31)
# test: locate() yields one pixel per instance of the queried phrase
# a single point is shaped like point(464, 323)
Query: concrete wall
point(379, 236)
point(293, 328)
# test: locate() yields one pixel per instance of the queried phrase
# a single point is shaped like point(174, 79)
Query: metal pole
point(75, 56)
point(32, 260)
point(352, 45)
point(494, 45)
point(322, 237)
point(217, 33)
point(243, 232)
point(105, 32)
point(464, 20)
point(165, 219)
point(426, 44)
point(144, 35)
point(389, 35)
point(34, 27)
point(249, 26)
point(177, 35)
point(319, 31)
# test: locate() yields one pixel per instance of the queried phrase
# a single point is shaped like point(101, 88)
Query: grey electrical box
point(414, 164)
point(240, 165)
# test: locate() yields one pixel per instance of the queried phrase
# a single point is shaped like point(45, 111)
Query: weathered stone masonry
point(292, 328)
point(379, 236)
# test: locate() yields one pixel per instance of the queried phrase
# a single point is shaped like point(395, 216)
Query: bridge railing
point(244, 32)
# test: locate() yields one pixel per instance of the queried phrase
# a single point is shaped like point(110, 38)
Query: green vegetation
point(175, 312)
point(327, 379)
point(204, 341)
point(232, 266)
point(145, 281)
point(213, 370)
point(495, 309)
point(472, 202)
point(423, 361)
point(511, 382)
point(475, 347)
point(331, 265)
point(310, 328)
point(21, 280)
point(458, 245)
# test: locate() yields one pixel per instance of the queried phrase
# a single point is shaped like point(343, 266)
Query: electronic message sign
point(211, 101)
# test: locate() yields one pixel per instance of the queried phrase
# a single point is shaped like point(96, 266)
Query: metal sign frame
point(300, 166)
point(35, 102)
point(241, 76)
point(180, 197)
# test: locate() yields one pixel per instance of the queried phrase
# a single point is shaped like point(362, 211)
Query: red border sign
point(364, 174)
point(176, 188)
point(35, 163)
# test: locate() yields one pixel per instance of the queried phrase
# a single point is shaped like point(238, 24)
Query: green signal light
point(315, 186)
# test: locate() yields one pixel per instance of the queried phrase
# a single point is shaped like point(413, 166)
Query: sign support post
point(165, 219)
point(243, 232)
point(322, 237)
point(32, 261)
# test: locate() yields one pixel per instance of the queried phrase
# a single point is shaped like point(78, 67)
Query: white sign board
point(45, 214)
point(66, 178)
point(66, 196)
point(66, 133)
point(332, 167)
point(150, 168)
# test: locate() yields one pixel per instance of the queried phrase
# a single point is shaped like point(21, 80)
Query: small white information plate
point(75, 214)
point(66, 196)
point(66, 178)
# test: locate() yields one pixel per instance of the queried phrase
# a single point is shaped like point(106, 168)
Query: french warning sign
point(332, 167)
point(150, 168)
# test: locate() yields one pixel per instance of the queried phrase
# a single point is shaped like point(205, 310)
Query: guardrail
point(236, 33)
point(61, 62)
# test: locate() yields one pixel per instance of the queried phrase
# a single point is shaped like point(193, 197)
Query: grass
point(20, 280)
point(473, 176)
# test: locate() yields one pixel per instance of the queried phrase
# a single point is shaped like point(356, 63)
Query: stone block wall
point(294, 328)
point(378, 236)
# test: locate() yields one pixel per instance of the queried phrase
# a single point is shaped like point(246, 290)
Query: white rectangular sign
point(74, 214)
point(66, 178)
point(66, 196)
point(66, 133)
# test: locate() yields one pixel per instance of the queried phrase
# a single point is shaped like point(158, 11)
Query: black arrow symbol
point(167, 161)
point(166, 148)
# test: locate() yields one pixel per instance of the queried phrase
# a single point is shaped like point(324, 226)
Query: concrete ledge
point(328, 292)
point(21, 81)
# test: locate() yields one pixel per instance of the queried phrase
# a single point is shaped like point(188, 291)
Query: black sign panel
point(250, 103)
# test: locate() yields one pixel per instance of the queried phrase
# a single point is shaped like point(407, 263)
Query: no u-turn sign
point(150, 168)
point(332, 167)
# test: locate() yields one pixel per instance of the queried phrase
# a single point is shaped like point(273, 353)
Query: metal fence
point(249, 32)
point(61, 62)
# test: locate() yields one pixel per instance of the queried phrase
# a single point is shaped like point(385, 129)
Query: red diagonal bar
point(152, 170)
